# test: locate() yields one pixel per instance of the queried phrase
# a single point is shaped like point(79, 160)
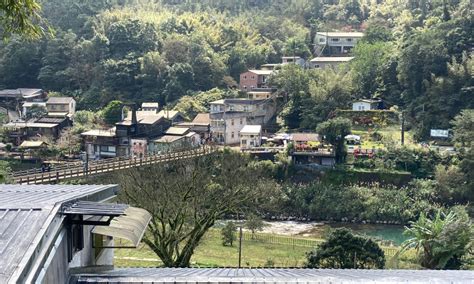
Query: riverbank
point(387, 234)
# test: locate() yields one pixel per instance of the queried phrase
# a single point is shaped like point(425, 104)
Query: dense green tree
point(344, 250)
point(20, 17)
point(293, 81)
point(112, 113)
point(228, 234)
point(254, 223)
point(368, 68)
point(20, 63)
point(333, 131)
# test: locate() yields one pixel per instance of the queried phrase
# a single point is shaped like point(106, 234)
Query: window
point(244, 142)
point(335, 39)
point(321, 39)
point(246, 108)
point(241, 120)
point(317, 66)
point(231, 122)
point(245, 77)
point(253, 77)
point(349, 39)
point(232, 135)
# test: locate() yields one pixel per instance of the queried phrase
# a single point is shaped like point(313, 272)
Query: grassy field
point(391, 133)
point(264, 251)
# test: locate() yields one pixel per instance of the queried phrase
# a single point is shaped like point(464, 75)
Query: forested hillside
point(416, 53)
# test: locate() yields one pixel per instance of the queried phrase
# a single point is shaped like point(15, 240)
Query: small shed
point(366, 104)
point(251, 136)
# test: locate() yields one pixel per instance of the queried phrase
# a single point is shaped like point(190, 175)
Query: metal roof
point(202, 118)
point(94, 208)
point(168, 139)
point(251, 129)
point(59, 100)
point(21, 92)
point(221, 275)
point(262, 72)
point(26, 214)
point(176, 131)
point(100, 132)
point(341, 34)
point(30, 125)
point(332, 59)
point(33, 144)
point(50, 120)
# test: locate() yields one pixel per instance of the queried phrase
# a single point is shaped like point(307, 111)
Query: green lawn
point(267, 250)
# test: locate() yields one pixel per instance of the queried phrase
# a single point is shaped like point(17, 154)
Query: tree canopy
point(344, 250)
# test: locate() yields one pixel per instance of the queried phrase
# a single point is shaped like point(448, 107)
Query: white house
point(366, 104)
point(250, 136)
point(338, 42)
point(328, 62)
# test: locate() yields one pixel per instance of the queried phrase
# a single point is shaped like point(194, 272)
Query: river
point(389, 233)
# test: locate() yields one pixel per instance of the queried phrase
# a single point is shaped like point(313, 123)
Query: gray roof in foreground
point(221, 275)
point(26, 212)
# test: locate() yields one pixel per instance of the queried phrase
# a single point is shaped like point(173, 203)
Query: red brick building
point(254, 79)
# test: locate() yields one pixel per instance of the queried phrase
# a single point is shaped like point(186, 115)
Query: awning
point(130, 227)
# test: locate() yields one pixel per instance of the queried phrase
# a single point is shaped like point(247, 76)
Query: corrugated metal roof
point(94, 208)
point(38, 196)
point(59, 100)
point(16, 227)
point(220, 275)
point(26, 212)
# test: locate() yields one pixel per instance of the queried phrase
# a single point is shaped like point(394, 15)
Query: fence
point(292, 241)
point(101, 166)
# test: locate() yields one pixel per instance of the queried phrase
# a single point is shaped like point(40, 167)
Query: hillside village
point(253, 141)
point(247, 122)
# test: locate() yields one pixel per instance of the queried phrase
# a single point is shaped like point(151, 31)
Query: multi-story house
point(61, 106)
point(337, 43)
point(328, 62)
point(253, 79)
point(131, 136)
point(229, 116)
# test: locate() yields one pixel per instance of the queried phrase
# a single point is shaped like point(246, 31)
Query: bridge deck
point(78, 170)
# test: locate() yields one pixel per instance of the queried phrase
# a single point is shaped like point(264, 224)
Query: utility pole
point(403, 129)
point(240, 246)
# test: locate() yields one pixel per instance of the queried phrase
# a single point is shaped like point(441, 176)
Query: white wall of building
point(361, 106)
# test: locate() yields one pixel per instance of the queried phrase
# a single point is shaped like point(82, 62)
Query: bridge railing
point(108, 165)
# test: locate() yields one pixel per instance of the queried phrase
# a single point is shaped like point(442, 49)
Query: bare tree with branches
point(186, 197)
